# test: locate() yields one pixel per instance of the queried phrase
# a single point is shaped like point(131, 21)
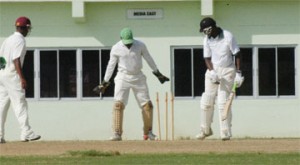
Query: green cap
point(126, 36)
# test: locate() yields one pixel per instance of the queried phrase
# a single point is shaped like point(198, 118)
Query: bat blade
point(229, 102)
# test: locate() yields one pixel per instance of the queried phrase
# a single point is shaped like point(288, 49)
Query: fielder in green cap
point(129, 53)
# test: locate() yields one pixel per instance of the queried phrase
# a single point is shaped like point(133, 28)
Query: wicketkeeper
point(128, 54)
point(219, 50)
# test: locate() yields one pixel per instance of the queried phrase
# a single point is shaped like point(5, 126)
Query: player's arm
point(212, 73)
point(113, 60)
point(108, 73)
point(238, 61)
point(207, 54)
point(239, 79)
point(18, 67)
point(146, 55)
point(208, 63)
point(148, 58)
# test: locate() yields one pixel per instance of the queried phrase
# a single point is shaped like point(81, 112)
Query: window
point(276, 71)
point(48, 74)
point(247, 68)
point(109, 92)
point(28, 72)
point(286, 71)
point(189, 69)
point(268, 71)
point(92, 73)
point(70, 74)
point(67, 73)
point(73, 73)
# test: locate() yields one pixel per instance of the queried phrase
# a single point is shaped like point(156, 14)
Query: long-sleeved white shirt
point(129, 60)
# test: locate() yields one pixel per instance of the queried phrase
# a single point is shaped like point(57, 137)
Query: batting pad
point(207, 111)
point(147, 112)
point(225, 125)
point(118, 111)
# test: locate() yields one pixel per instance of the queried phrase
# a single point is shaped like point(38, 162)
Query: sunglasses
point(207, 30)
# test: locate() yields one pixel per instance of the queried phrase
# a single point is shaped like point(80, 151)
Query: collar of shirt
point(19, 34)
point(125, 45)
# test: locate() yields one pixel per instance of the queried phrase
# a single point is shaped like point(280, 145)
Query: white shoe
point(116, 137)
point(30, 137)
point(150, 136)
point(202, 135)
point(225, 138)
point(226, 135)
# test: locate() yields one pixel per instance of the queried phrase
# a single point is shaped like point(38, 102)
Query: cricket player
point(12, 80)
point(128, 54)
point(219, 50)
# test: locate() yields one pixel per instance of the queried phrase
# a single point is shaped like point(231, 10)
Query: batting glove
point(239, 79)
point(162, 79)
point(101, 88)
point(214, 78)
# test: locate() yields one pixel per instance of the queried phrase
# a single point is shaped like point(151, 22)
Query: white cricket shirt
point(129, 60)
point(220, 49)
point(12, 48)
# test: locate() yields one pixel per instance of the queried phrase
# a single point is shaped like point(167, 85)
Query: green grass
point(97, 157)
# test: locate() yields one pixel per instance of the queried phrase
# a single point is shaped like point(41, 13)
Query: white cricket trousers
point(138, 84)
point(221, 91)
point(12, 92)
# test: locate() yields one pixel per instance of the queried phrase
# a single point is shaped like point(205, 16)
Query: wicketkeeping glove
point(160, 77)
point(2, 63)
point(239, 79)
point(101, 87)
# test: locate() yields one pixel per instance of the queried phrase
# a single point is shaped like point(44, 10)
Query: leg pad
point(207, 112)
point(118, 117)
point(147, 112)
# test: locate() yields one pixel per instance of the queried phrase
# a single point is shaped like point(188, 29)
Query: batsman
point(222, 58)
point(128, 53)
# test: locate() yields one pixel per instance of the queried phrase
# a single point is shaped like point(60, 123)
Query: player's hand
point(101, 87)
point(239, 79)
point(23, 83)
point(214, 78)
point(162, 79)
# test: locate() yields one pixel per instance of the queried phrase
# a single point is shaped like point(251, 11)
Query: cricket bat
point(229, 102)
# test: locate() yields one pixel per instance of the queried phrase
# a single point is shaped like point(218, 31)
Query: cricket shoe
point(116, 137)
point(2, 141)
point(202, 135)
point(150, 136)
point(225, 138)
point(226, 135)
point(30, 137)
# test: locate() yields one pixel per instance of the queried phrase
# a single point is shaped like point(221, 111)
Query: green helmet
point(2, 63)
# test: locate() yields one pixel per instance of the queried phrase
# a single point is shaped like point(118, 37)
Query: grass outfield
point(98, 157)
point(236, 151)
